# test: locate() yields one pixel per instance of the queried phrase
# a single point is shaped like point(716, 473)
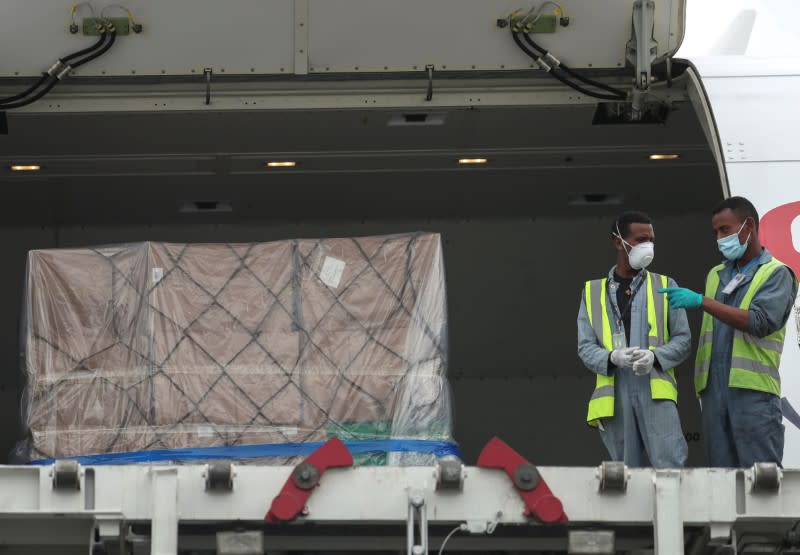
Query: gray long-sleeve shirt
point(670, 355)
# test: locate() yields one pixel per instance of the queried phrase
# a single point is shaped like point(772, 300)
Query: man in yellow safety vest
point(632, 340)
point(746, 304)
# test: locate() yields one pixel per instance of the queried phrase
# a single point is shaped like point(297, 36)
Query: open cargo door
point(300, 37)
point(367, 40)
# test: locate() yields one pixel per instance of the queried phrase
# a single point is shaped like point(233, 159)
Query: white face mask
point(640, 256)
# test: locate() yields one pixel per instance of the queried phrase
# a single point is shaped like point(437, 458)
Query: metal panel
point(223, 98)
point(180, 37)
point(165, 518)
point(19, 489)
point(755, 116)
point(301, 37)
point(381, 35)
point(667, 522)
point(372, 94)
point(700, 103)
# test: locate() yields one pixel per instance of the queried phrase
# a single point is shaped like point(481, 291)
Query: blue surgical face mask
point(730, 247)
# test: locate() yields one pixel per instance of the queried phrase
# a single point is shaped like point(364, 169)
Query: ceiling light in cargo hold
point(664, 156)
point(472, 161)
point(282, 164)
point(25, 168)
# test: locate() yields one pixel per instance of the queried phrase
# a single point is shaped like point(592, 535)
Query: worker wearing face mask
point(632, 340)
point(746, 305)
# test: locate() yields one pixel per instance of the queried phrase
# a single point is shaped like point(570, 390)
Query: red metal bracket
point(292, 499)
point(539, 500)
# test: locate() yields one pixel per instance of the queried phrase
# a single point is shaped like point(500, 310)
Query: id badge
point(733, 284)
point(618, 341)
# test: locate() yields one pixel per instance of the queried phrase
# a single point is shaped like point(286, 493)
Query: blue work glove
point(680, 297)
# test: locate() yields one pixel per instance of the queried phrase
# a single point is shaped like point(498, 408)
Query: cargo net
point(160, 346)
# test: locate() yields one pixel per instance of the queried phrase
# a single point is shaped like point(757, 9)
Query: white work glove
point(624, 358)
point(643, 363)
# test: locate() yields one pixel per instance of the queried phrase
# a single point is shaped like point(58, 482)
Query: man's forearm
point(731, 315)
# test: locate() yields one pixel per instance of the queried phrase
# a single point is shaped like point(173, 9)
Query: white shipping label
point(332, 270)
point(158, 274)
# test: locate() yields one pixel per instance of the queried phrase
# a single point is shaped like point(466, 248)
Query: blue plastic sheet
point(437, 448)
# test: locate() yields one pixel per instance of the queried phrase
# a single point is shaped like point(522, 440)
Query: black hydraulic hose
point(88, 50)
point(619, 92)
point(569, 71)
point(112, 37)
point(582, 90)
point(108, 38)
point(31, 99)
point(45, 75)
point(554, 72)
point(27, 91)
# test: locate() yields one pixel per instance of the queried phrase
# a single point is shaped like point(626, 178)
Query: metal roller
point(219, 477)
point(67, 475)
point(450, 476)
point(613, 476)
point(766, 477)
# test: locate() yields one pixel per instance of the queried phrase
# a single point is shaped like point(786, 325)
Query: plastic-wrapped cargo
point(163, 351)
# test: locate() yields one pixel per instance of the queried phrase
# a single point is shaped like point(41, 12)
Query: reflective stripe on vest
point(754, 361)
point(662, 383)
